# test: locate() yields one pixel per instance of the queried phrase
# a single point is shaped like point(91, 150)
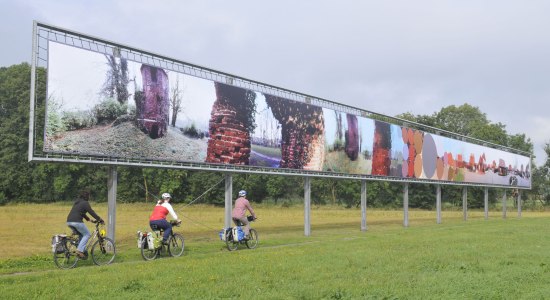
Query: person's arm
point(171, 210)
point(249, 207)
point(91, 212)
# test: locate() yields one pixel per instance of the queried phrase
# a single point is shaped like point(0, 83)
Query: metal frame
point(43, 33)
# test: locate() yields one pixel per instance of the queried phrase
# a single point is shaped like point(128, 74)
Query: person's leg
point(246, 224)
point(167, 227)
point(167, 231)
point(84, 234)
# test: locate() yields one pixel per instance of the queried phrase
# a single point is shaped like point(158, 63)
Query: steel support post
point(486, 202)
point(406, 204)
point(504, 205)
point(465, 203)
point(228, 199)
point(438, 203)
point(307, 206)
point(519, 203)
point(111, 202)
point(364, 205)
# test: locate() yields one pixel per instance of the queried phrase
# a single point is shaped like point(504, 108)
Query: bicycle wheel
point(68, 258)
point(103, 251)
point(176, 245)
point(231, 245)
point(253, 240)
point(148, 254)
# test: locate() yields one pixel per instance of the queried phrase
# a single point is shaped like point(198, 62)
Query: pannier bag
point(141, 238)
point(238, 234)
point(57, 246)
point(224, 233)
point(150, 241)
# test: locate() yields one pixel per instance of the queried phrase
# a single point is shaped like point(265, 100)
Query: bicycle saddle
point(75, 232)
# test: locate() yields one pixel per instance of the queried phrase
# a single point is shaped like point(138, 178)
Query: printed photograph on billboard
point(106, 106)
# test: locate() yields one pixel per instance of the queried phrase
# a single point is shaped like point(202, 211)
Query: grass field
point(474, 259)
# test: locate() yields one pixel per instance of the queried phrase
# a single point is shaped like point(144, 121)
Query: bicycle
point(174, 246)
point(251, 242)
point(64, 247)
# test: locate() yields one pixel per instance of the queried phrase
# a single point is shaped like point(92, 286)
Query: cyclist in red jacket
point(158, 217)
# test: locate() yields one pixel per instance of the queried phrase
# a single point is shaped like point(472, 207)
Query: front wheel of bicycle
point(253, 240)
point(103, 251)
point(176, 245)
point(148, 254)
point(68, 258)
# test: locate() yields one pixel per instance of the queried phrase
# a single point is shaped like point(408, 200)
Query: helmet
point(166, 196)
point(242, 193)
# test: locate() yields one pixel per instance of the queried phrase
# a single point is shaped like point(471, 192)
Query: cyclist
point(239, 212)
point(80, 207)
point(158, 217)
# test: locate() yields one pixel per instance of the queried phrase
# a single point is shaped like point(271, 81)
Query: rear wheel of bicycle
point(146, 253)
point(253, 240)
point(231, 245)
point(103, 251)
point(68, 258)
point(176, 245)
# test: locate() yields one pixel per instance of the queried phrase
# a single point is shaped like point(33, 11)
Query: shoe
point(80, 254)
point(165, 243)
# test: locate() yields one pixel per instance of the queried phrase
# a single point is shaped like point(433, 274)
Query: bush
point(54, 123)
point(78, 120)
point(338, 145)
point(191, 131)
point(108, 110)
point(3, 199)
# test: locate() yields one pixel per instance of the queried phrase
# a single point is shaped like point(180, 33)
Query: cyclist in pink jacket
point(239, 212)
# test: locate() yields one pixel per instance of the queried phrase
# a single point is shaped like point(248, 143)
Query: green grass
point(268, 151)
point(475, 259)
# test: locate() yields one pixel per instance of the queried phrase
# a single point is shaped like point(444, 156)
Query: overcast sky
point(388, 57)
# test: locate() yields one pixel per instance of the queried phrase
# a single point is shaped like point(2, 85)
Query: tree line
point(41, 182)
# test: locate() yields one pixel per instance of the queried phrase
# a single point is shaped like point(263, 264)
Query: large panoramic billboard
point(112, 106)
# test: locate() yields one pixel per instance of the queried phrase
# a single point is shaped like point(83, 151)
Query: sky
point(388, 57)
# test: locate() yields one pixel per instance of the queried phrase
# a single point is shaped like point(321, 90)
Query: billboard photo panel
point(112, 106)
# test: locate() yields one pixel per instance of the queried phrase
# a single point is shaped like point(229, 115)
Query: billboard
point(106, 105)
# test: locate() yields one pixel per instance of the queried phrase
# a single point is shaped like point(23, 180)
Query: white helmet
point(242, 193)
point(166, 196)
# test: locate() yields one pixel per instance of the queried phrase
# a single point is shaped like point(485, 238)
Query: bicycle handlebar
point(175, 223)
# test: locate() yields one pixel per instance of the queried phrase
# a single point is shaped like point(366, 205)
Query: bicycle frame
point(94, 236)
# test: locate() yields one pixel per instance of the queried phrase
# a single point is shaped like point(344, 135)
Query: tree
point(116, 81)
point(541, 178)
point(464, 119)
point(175, 101)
